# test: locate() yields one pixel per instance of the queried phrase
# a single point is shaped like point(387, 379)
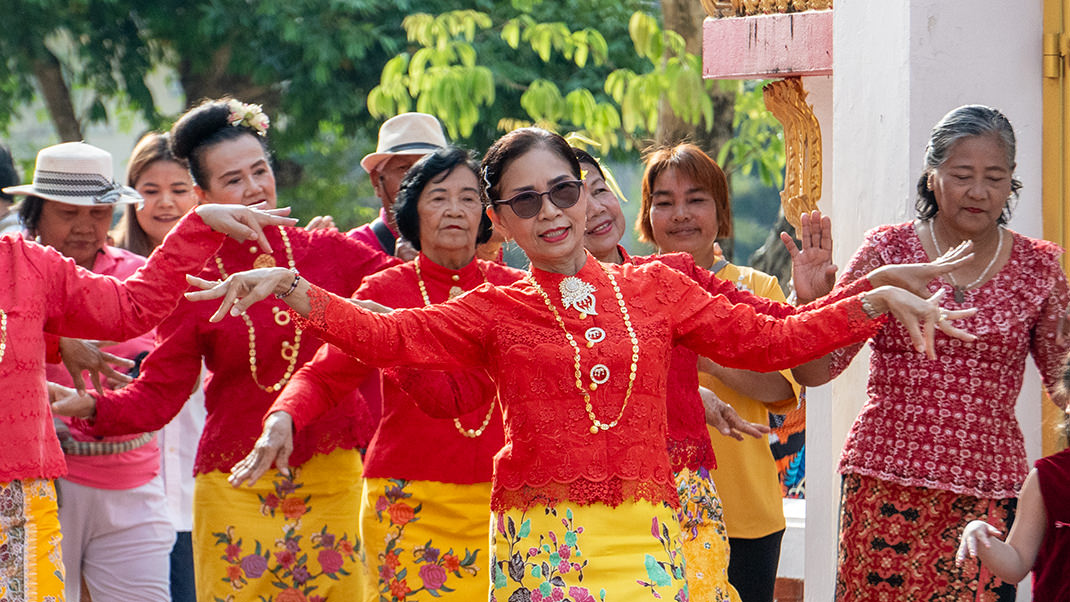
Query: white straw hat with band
point(406, 134)
point(76, 173)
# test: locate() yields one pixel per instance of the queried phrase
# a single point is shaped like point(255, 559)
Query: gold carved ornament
point(786, 100)
point(743, 8)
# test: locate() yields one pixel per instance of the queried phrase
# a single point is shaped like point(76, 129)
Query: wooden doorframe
point(1056, 183)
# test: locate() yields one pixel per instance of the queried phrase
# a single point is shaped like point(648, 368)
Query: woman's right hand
point(242, 289)
point(921, 317)
point(244, 223)
point(274, 446)
point(915, 277)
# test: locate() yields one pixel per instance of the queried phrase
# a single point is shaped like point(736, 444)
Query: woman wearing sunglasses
point(583, 499)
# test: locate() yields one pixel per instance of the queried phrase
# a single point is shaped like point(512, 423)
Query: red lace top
point(234, 402)
point(949, 424)
point(408, 443)
point(550, 455)
point(1053, 557)
point(45, 291)
point(688, 440)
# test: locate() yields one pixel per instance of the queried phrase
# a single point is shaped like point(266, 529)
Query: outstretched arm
point(1012, 560)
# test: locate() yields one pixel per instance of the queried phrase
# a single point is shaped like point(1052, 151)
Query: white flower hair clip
point(248, 115)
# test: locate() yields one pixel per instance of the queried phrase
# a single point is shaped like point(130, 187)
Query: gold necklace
point(289, 350)
point(3, 334)
point(470, 433)
point(599, 373)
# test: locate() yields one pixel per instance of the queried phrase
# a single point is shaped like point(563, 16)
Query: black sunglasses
point(528, 203)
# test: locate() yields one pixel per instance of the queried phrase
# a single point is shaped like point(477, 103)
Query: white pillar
point(898, 67)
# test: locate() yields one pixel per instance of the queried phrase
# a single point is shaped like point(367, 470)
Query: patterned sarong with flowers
point(704, 537)
point(284, 539)
point(593, 553)
point(425, 540)
point(31, 564)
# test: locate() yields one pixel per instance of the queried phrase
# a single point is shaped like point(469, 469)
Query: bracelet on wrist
point(293, 285)
point(867, 306)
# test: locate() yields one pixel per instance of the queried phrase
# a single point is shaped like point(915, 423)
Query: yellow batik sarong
point(282, 540)
point(594, 553)
point(425, 540)
point(31, 564)
point(704, 537)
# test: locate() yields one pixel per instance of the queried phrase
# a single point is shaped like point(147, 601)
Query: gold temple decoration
point(786, 100)
point(743, 8)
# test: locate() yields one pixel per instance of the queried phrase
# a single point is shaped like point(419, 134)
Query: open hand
point(274, 446)
point(239, 291)
point(812, 272)
point(977, 532)
point(726, 420)
point(244, 223)
point(86, 356)
point(921, 317)
point(915, 277)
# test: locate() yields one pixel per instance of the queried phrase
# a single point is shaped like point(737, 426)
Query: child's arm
point(1012, 560)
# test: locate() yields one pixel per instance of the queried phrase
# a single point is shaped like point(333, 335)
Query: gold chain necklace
point(960, 291)
point(282, 318)
point(3, 334)
point(596, 424)
point(470, 433)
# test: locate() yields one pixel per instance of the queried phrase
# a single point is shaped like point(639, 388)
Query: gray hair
point(965, 122)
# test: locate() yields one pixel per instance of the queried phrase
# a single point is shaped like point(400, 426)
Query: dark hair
point(152, 147)
point(514, 144)
point(202, 127)
point(964, 122)
point(585, 158)
point(691, 161)
point(8, 175)
point(433, 167)
point(30, 212)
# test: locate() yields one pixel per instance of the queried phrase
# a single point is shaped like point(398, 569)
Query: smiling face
point(450, 211)
point(605, 220)
point(683, 216)
point(168, 192)
point(238, 173)
point(553, 239)
point(75, 231)
point(972, 186)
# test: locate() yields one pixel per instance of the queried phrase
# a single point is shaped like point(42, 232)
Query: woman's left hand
point(812, 272)
point(244, 223)
point(920, 317)
point(86, 356)
point(274, 446)
point(65, 401)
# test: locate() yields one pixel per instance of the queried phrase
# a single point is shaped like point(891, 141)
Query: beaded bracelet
point(867, 306)
point(293, 285)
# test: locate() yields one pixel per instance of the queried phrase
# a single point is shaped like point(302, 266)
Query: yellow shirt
point(746, 474)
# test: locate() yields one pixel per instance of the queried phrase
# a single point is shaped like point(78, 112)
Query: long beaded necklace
point(470, 433)
point(599, 373)
point(960, 291)
point(282, 318)
point(3, 334)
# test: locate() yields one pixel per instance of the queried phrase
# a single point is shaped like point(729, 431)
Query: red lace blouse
point(949, 423)
point(234, 402)
point(44, 291)
point(549, 454)
point(688, 440)
point(408, 443)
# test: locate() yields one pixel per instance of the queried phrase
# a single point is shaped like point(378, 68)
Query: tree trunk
point(685, 17)
point(49, 74)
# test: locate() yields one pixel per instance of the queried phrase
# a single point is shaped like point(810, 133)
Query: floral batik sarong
point(593, 553)
point(31, 564)
point(425, 540)
point(281, 540)
point(704, 537)
point(898, 544)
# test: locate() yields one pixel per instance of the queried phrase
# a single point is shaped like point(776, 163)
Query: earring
point(929, 183)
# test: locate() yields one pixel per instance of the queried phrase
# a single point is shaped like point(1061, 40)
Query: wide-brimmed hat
point(76, 173)
point(406, 134)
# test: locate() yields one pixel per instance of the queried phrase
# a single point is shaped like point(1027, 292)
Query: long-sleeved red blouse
point(688, 440)
point(233, 400)
point(550, 454)
point(409, 443)
point(45, 291)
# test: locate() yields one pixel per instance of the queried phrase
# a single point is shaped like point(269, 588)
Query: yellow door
point(1056, 145)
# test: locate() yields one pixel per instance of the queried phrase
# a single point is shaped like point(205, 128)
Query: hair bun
point(197, 125)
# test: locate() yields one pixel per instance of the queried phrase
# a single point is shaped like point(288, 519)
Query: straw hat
point(76, 173)
point(406, 134)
